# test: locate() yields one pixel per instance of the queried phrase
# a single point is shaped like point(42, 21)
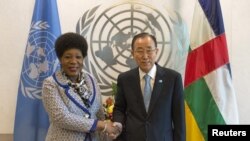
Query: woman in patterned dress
point(72, 97)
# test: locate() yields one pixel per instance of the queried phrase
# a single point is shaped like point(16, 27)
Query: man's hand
point(118, 127)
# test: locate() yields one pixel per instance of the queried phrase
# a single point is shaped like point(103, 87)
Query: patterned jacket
point(70, 119)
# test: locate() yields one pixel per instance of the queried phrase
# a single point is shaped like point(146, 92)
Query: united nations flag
point(40, 61)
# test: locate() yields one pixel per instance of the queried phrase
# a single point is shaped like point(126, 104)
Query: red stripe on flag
point(206, 58)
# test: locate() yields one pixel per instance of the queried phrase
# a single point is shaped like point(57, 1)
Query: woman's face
point(72, 63)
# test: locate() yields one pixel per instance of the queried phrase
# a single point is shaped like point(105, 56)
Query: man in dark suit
point(163, 116)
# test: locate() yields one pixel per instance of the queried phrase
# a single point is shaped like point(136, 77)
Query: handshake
point(112, 129)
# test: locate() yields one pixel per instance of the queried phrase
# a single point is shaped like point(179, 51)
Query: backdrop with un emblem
point(110, 27)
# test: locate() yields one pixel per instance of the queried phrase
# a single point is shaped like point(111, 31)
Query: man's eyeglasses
point(147, 51)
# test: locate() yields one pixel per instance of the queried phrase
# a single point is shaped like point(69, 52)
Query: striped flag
point(209, 93)
point(40, 61)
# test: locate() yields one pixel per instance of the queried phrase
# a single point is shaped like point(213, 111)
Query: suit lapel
point(137, 87)
point(134, 83)
point(158, 85)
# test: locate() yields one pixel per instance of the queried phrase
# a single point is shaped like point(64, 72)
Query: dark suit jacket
point(165, 120)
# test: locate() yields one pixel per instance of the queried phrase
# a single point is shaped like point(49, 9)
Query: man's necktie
point(147, 91)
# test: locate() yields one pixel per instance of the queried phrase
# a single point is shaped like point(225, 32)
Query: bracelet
point(105, 127)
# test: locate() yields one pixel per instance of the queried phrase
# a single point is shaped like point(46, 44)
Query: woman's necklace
point(80, 88)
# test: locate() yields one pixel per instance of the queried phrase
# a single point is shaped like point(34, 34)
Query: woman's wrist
point(102, 125)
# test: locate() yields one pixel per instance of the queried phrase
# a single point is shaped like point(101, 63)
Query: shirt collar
point(151, 72)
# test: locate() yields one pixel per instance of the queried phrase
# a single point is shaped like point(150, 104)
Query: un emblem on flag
point(40, 60)
point(109, 30)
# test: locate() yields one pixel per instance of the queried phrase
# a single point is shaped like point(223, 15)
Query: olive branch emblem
point(31, 92)
point(86, 20)
point(83, 27)
point(39, 25)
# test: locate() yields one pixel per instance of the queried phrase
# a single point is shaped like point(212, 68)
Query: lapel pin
point(160, 81)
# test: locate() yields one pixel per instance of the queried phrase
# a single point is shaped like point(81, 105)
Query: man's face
point(144, 53)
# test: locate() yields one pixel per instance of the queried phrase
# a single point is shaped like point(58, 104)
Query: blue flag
point(40, 61)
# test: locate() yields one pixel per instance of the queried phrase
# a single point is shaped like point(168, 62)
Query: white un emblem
point(109, 31)
point(40, 60)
